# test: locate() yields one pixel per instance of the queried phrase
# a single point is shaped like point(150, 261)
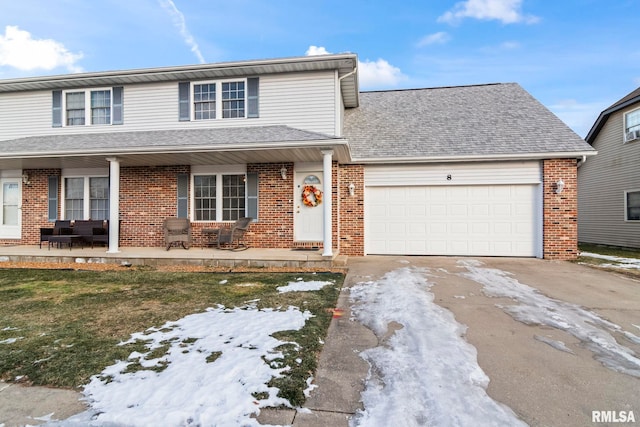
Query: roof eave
point(181, 149)
point(604, 116)
point(478, 158)
point(344, 63)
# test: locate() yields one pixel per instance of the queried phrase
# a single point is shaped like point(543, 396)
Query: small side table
point(69, 239)
point(211, 236)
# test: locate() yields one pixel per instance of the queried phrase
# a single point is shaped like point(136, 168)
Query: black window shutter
point(117, 117)
point(183, 99)
point(252, 195)
point(53, 198)
point(183, 195)
point(57, 109)
point(252, 98)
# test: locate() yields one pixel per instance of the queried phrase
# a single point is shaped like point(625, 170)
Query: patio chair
point(177, 230)
point(232, 236)
point(61, 226)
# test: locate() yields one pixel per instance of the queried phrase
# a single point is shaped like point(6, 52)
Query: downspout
point(348, 74)
point(583, 161)
point(339, 115)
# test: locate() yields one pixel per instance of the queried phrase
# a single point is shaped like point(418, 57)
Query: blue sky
point(574, 56)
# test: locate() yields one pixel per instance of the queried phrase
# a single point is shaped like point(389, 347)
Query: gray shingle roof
point(485, 120)
point(197, 138)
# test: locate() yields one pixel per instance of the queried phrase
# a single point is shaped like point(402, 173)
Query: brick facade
point(149, 194)
point(560, 211)
point(351, 212)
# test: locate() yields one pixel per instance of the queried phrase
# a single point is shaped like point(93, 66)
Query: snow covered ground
point(616, 261)
point(216, 361)
point(424, 372)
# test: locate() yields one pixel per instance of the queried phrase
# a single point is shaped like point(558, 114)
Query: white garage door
point(480, 220)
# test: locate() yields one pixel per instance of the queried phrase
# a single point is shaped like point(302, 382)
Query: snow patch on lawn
point(215, 365)
point(299, 286)
point(619, 262)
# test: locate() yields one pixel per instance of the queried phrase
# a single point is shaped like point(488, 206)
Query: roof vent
point(633, 135)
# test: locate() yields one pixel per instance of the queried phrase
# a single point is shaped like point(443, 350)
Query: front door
point(308, 219)
point(10, 215)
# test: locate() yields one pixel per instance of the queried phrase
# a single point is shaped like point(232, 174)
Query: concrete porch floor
point(195, 256)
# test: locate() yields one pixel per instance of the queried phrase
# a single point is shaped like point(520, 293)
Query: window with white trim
point(632, 205)
point(224, 99)
point(86, 197)
point(632, 125)
point(87, 107)
point(222, 193)
point(219, 197)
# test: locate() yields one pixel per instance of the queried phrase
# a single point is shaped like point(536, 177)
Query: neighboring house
point(609, 200)
point(471, 170)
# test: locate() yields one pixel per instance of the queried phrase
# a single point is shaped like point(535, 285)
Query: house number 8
point(448, 177)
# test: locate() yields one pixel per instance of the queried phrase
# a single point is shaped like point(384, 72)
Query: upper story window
point(75, 109)
point(100, 107)
point(232, 99)
point(218, 99)
point(632, 125)
point(87, 107)
point(204, 101)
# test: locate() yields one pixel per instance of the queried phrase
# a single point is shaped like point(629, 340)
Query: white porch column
point(114, 204)
point(327, 202)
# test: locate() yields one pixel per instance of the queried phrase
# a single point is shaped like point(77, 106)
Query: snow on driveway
point(532, 307)
point(425, 373)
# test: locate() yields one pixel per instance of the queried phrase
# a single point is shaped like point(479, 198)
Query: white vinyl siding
point(300, 100)
point(455, 174)
point(602, 183)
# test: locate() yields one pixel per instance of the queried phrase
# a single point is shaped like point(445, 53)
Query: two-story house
point(609, 200)
point(292, 143)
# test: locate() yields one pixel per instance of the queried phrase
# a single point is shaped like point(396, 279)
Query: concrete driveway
point(541, 384)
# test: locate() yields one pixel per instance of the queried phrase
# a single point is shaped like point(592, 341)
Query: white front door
point(308, 218)
point(10, 215)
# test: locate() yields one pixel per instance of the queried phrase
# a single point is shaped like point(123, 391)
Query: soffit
point(260, 144)
point(345, 64)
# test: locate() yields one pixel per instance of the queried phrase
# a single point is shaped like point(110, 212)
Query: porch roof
point(258, 144)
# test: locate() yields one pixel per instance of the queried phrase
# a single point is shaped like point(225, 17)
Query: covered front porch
point(155, 257)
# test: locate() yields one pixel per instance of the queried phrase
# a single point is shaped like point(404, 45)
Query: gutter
point(180, 149)
point(580, 155)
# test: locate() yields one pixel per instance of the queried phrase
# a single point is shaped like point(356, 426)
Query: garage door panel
point(494, 220)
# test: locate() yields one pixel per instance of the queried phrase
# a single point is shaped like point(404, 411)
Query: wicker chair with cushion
point(177, 230)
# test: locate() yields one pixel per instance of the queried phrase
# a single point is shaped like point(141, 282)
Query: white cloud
point(316, 50)
point(19, 50)
point(379, 74)
point(372, 74)
point(435, 38)
point(181, 25)
point(506, 11)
